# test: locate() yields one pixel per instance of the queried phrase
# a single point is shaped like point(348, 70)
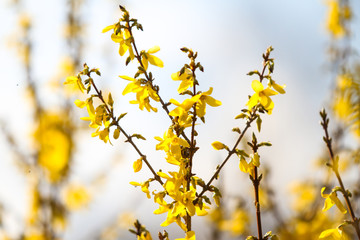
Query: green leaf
point(200, 203)
point(128, 60)
point(182, 70)
point(241, 115)
point(122, 8)
point(258, 123)
point(96, 70)
point(241, 153)
point(188, 92)
point(236, 130)
point(184, 49)
point(110, 100)
point(207, 200)
point(138, 136)
point(121, 116)
point(251, 238)
point(116, 133)
point(253, 72)
point(266, 144)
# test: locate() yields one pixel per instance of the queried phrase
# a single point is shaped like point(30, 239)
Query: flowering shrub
point(178, 190)
point(182, 193)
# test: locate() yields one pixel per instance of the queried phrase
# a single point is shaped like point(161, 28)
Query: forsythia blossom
point(337, 17)
point(123, 37)
point(262, 95)
point(331, 200)
point(335, 233)
point(187, 80)
point(148, 57)
point(143, 93)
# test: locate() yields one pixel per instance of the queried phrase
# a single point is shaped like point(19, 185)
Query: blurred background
point(79, 189)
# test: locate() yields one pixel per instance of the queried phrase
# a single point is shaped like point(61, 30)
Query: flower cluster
point(338, 17)
point(262, 94)
point(178, 197)
point(141, 86)
point(182, 193)
point(101, 118)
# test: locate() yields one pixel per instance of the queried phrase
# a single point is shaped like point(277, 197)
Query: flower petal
point(154, 49)
point(257, 86)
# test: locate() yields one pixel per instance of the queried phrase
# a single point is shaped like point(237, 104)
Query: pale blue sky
point(230, 37)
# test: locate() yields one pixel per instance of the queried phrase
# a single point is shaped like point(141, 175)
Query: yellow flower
point(238, 222)
point(183, 200)
point(279, 88)
point(205, 98)
point(25, 21)
point(77, 81)
point(144, 236)
point(261, 96)
point(248, 167)
point(108, 28)
point(76, 196)
point(54, 145)
point(103, 134)
point(144, 187)
point(335, 233)
point(305, 195)
point(336, 17)
point(124, 39)
point(96, 117)
point(344, 81)
point(182, 110)
point(190, 235)
point(143, 92)
point(343, 107)
point(187, 80)
point(33, 214)
point(147, 58)
point(171, 143)
point(330, 200)
point(218, 145)
point(34, 236)
point(137, 165)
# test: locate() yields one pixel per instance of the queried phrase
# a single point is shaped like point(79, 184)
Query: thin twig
point(327, 139)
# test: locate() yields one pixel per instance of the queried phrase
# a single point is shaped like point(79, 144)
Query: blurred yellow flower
point(238, 222)
point(76, 196)
point(24, 20)
point(335, 233)
point(337, 16)
point(34, 236)
point(190, 235)
point(33, 214)
point(54, 144)
point(75, 80)
point(144, 236)
point(305, 195)
point(343, 107)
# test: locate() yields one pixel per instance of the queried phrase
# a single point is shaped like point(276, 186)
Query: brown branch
point(163, 104)
point(230, 153)
point(128, 137)
point(328, 140)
